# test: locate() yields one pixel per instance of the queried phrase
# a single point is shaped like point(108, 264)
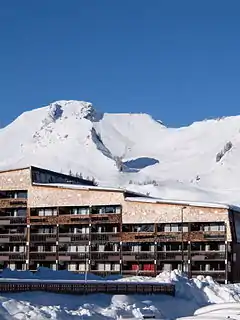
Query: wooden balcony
point(13, 238)
point(171, 255)
point(191, 236)
point(43, 237)
point(73, 237)
point(106, 236)
point(13, 203)
point(146, 273)
point(105, 256)
point(208, 255)
point(8, 220)
point(12, 256)
point(106, 218)
point(54, 220)
point(173, 236)
point(138, 256)
point(138, 237)
point(43, 256)
point(73, 256)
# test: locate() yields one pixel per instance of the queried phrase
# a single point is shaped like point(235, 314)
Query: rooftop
point(184, 203)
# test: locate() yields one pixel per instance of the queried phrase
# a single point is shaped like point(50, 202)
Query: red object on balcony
point(148, 267)
point(135, 267)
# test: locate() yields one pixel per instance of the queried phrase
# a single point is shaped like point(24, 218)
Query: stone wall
point(139, 212)
point(53, 197)
point(15, 179)
point(133, 212)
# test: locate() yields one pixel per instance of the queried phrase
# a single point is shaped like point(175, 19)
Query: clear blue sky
point(177, 60)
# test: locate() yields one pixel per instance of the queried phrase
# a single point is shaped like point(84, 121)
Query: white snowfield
point(195, 163)
point(195, 299)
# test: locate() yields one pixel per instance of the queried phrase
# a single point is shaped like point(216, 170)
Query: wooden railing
point(88, 287)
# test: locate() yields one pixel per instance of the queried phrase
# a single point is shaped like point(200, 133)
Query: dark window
point(106, 209)
point(21, 213)
point(13, 194)
point(138, 228)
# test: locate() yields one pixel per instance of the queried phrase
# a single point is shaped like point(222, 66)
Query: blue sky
point(177, 60)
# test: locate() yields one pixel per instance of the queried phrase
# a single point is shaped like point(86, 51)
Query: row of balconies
point(112, 256)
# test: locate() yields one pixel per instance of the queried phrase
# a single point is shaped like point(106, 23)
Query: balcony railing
point(12, 256)
point(75, 256)
point(43, 237)
point(8, 220)
point(13, 238)
point(106, 236)
point(73, 237)
point(140, 255)
point(105, 256)
point(13, 203)
point(138, 272)
point(172, 255)
point(42, 256)
point(208, 255)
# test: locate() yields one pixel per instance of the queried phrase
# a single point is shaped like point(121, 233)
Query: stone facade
point(15, 179)
point(53, 224)
point(57, 197)
point(142, 212)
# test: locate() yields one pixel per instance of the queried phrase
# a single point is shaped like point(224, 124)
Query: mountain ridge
point(195, 162)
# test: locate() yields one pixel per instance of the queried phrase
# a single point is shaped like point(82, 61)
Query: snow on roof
point(76, 186)
point(141, 198)
point(13, 168)
point(184, 203)
point(86, 187)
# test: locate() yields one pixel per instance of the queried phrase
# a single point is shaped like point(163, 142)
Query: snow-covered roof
point(184, 203)
point(76, 186)
point(140, 198)
point(86, 187)
point(13, 168)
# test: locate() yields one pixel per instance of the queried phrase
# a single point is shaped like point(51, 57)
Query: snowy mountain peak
point(64, 109)
point(199, 162)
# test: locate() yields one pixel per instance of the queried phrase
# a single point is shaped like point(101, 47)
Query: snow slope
point(198, 162)
point(195, 299)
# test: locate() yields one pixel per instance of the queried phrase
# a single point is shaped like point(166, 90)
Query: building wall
point(15, 180)
point(56, 197)
point(138, 212)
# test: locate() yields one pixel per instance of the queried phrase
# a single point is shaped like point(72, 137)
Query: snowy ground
point(197, 299)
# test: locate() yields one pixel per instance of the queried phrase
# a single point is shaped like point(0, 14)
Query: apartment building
point(63, 222)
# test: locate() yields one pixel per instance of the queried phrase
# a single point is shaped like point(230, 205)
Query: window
point(214, 227)
point(21, 195)
point(13, 194)
point(47, 230)
point(80, 230)
point(174, 227)
point(108, 267)
point(78, 211)
point(47, 212)
point(106, 209)
point(18, 213)
point(138, 228)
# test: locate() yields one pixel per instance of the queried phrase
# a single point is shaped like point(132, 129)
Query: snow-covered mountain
point(198, 162)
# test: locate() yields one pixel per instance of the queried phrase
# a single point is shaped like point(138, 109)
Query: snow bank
point(196, 299)
point(47, 274)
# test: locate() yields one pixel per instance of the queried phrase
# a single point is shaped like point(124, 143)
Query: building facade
point(62, 222)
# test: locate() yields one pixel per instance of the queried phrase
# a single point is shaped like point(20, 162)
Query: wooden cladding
point(13, 203)
point(94, 219)
point(173, 236)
